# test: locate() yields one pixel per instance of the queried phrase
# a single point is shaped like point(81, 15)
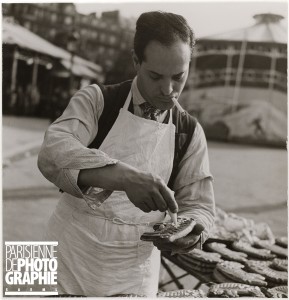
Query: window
point(69, 8)
point(102, 37)
point(94, 22)
point(40, 14)
point(53, 17)
point(94, 34)
point(101, 50)
point(27, 25)
point(52, 33)
point(68, 20)
point(83, 32)
point(111, 52)
point(25, 8)
point(113, 27)
point(112, 39)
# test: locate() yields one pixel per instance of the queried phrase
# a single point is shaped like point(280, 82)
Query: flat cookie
point(203, 256)
point(182, 294)
point(234, 290)
point(203, 268)
point(274, 276)
point(225, 252)
point(279, 264)
point(252, 251)
point(235, 271)
point(170, 231)
point(279, 251)
point(276, 292)
point(282, 241)
point(221, 278)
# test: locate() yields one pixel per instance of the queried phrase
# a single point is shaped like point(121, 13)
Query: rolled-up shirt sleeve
point(64, 151)
point(193, 185)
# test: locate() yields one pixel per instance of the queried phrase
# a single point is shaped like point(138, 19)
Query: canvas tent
point(14, 34)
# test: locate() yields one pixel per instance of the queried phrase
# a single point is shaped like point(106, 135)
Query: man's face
point(163, 72)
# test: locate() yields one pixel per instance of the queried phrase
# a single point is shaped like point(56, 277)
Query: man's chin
point(164, 105)
point(167, 106)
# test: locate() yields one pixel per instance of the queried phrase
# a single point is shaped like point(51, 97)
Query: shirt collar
point(136, 95)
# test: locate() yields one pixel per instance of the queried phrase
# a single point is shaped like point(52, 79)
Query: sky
point(205, 17)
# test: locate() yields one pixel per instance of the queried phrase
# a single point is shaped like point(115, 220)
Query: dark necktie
point(149, 111)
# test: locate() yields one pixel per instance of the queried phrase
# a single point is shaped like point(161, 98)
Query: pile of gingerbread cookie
point(238, 268)
point(228, 290)
point(240, 259)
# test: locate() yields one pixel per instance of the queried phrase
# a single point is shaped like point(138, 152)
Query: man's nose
point(167, 87)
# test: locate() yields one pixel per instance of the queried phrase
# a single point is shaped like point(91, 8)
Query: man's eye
point(155, 77)
point(177, 78)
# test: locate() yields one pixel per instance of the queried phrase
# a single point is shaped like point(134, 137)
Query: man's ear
point(135, 60)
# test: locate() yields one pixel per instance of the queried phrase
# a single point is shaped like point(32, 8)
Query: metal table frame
point(203, 279)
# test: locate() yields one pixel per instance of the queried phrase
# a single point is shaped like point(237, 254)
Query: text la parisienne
point(31, 264)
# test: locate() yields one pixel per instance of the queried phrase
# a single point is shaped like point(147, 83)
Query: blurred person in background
point(32, 100)
point(123, 155)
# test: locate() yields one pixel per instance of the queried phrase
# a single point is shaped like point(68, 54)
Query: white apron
point(100, 252)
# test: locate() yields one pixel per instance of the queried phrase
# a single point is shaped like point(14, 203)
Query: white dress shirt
point(64, 153)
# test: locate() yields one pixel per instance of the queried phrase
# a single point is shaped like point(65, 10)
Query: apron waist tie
point(82, 207)
point(119, 221)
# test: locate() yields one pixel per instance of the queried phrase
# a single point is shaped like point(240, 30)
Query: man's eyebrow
point(179, 74)
point(155, 73)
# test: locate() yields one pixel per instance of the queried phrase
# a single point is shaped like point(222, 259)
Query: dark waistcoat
point(114, 99)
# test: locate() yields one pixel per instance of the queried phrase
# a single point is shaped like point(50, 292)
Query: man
point(121, 164)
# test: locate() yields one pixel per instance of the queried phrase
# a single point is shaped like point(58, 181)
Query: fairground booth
point(39, 77)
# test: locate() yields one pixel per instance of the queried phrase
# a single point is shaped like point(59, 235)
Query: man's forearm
point(144, 189)
point(110, 177)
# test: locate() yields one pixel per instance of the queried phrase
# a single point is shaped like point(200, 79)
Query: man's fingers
point(168, 196)
point(181, 245)
point(160, 202)
point(191, 246)
point(198, 228)
point(165, 245)
point(187, 249)
point(152, 204)
point(156, 202)
point(187, 241)
point(145, 207)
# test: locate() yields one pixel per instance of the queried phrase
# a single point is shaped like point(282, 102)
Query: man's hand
point(150, 193)
point(182, 245)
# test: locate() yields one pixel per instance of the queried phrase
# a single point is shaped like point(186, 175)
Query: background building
point(40, 32)
point(102, 40)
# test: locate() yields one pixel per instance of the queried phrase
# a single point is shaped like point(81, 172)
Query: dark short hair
point(164, 27)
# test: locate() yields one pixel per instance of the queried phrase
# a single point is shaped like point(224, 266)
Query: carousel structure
point(237, 85)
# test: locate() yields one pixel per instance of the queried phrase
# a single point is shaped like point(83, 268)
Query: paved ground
point(250, 181)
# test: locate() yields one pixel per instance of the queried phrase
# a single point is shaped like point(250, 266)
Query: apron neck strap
point(127, 101)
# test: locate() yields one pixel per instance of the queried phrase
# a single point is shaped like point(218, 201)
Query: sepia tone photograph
point(144, 149)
